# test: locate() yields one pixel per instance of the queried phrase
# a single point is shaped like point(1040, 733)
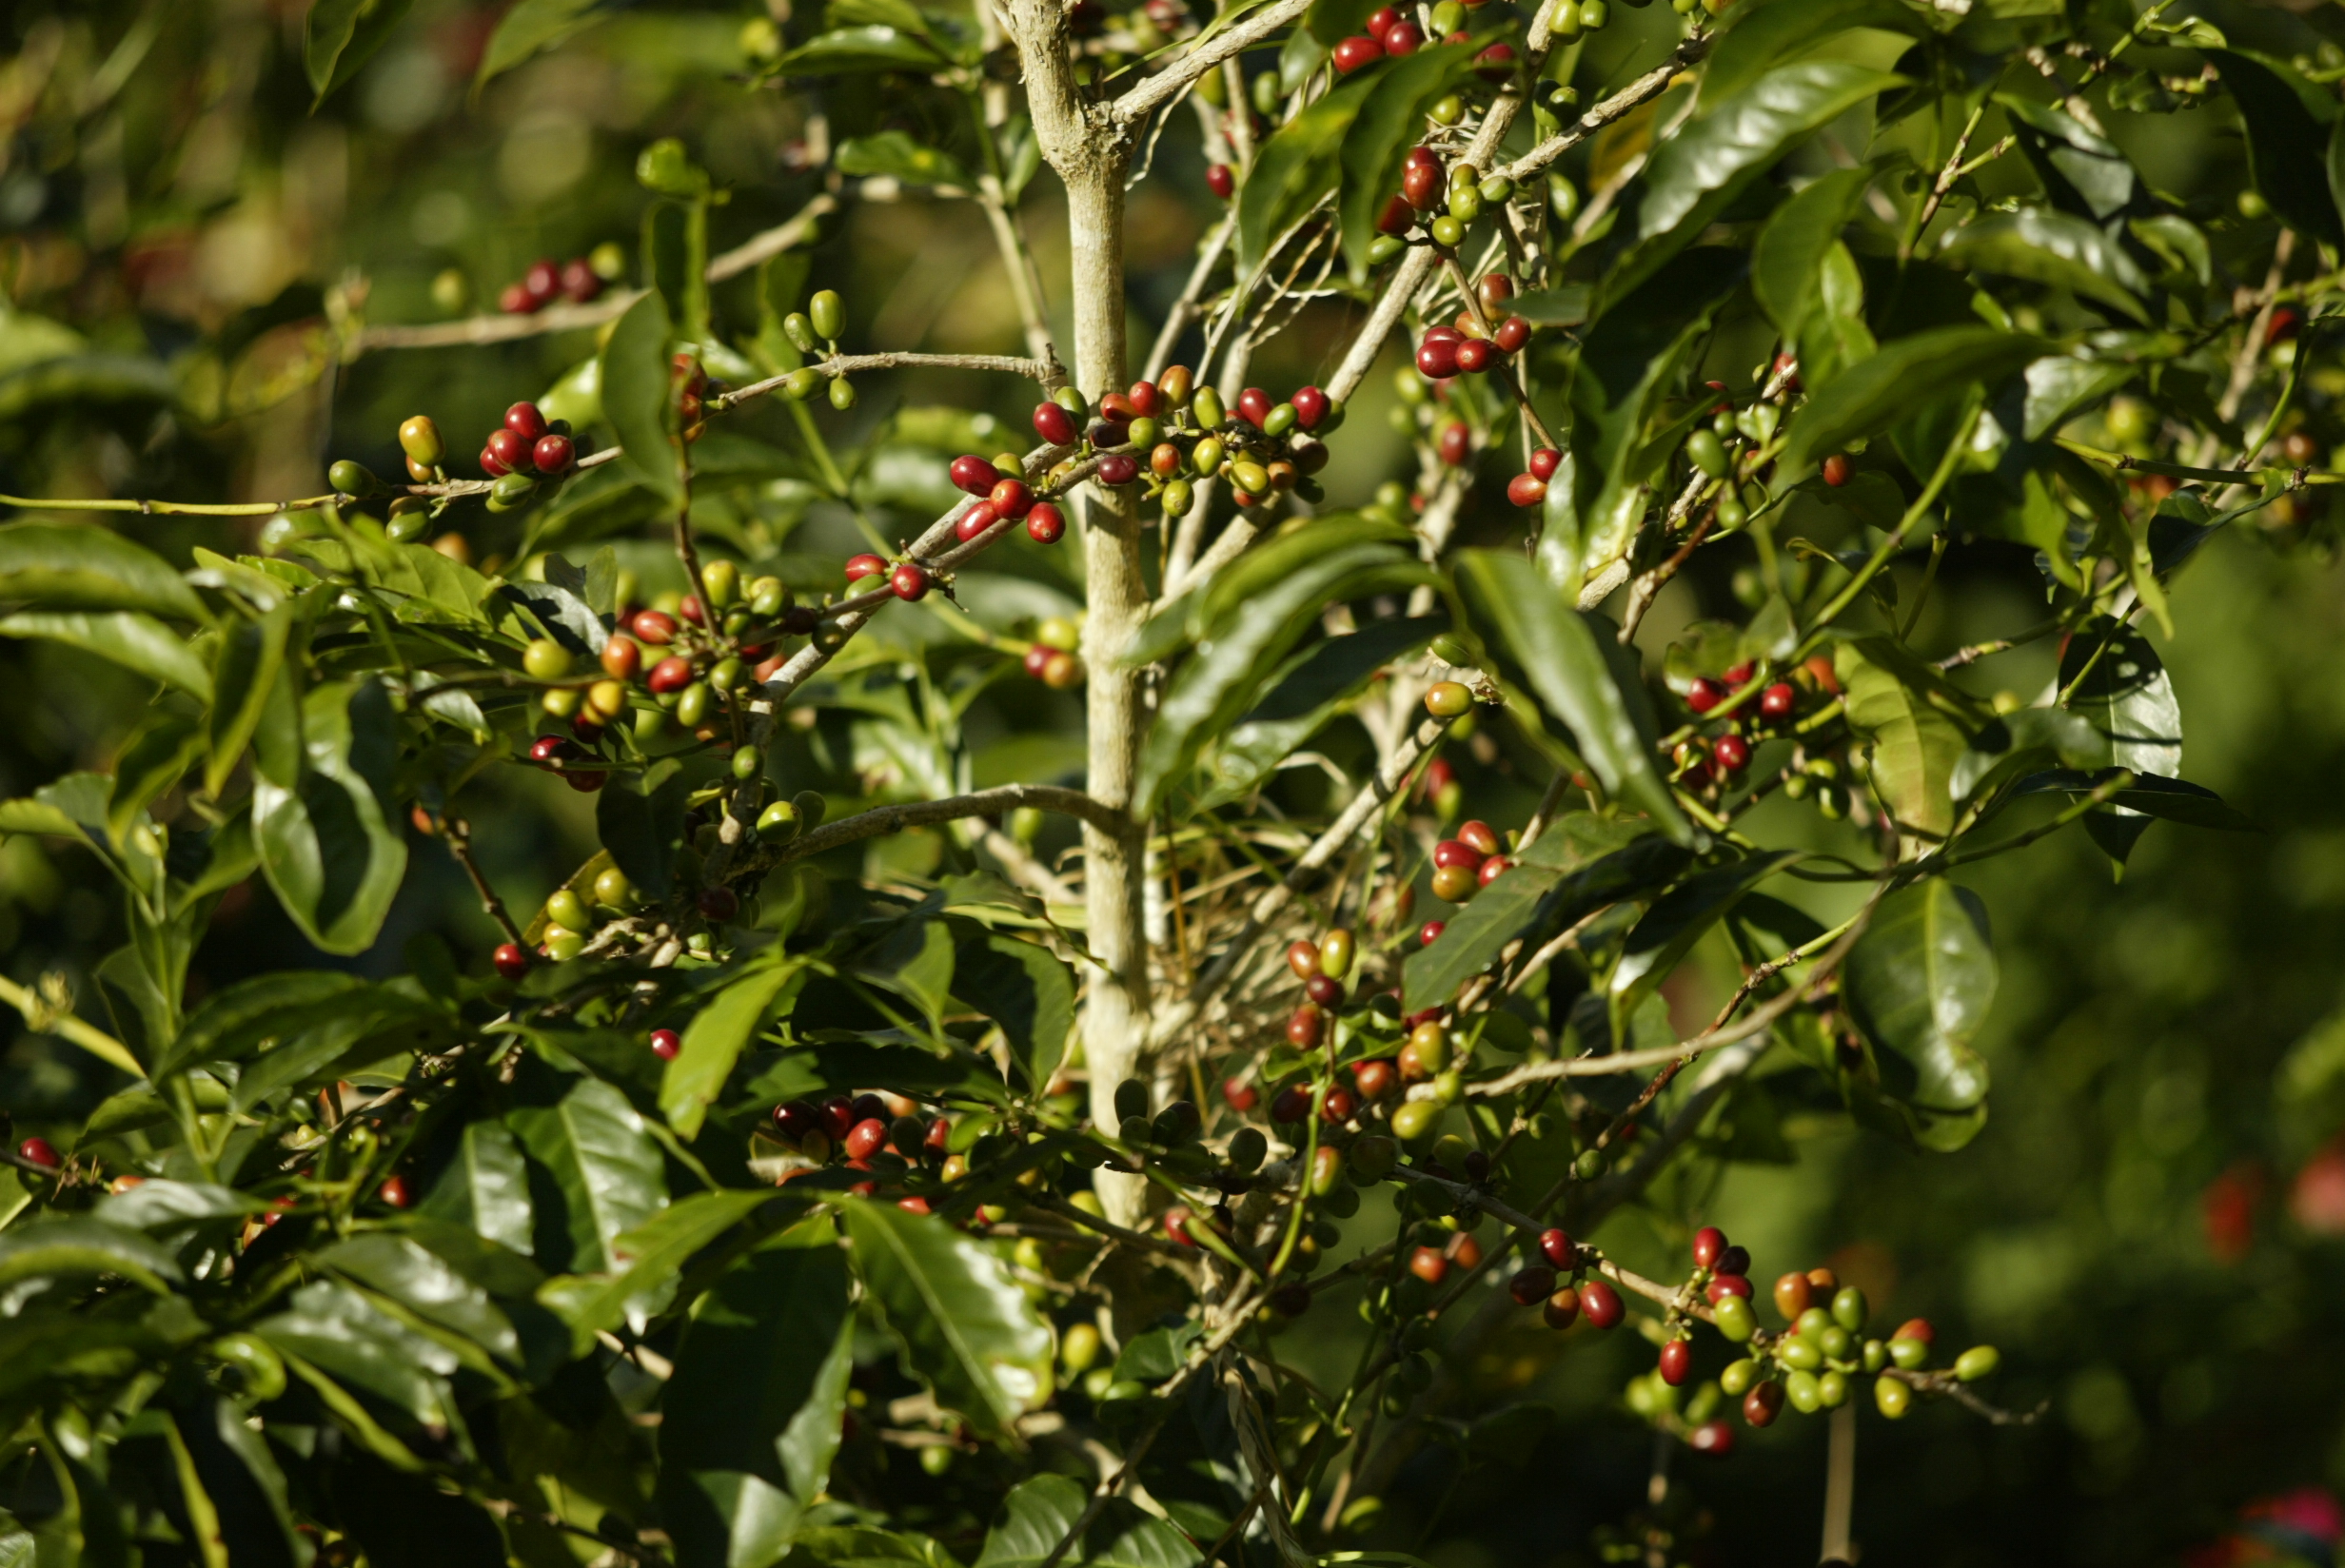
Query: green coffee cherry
point(1206, 408)
point(612, 889)
point(800, 329)
point(1589, 1165)
point(1384, 247)
point(1247, 1150)
point(1279, 420)
point(1801, 1354)
point(1979, 1361)
point(800, 384)
point(1804, 1391)
point(1849, 1309)
point(1910, 1355)
point(562, 944)
point(1465, 204)
point(1735, 1319)
point(768, 598)
point(1832, 1389)
point(545, 660)
point(727, 675)
point(352, 478)
point(828, 313)
point(1875, 1356)
point(1446, 232)
point(1496, 189)
point(1206, 454)
point(1562, 196)
point(723, 579)
point(510, 490)
point(407, 527)
point(1738, 1376)
point(1812, 1322)
point(1892, 1397)
point(811, 807)
point(1706, 453)
point(566, 908)
point(1178, 496)
point(1141, 434)
point(1836, 1344)
point(777, 823)
point(1448, 110)
point(843, 393)
point(747, 763)
point(692, 705)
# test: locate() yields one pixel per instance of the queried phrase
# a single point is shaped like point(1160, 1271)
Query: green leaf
point(1298, 165)
point(1678, 920)
point(897, 155)
point(1756, 36)
point(2286, 148)
point(2085, 174)
point(137, 641)
point(1333, 21)
point(2056, 248)
point(638, 401)
point(713, 1042)
point(643, 829)
point(1787, 265)
point(118, 379)
point(2010, 745)
point(1472, 939)
point(251, 655)
point(157, 757)
point(1919, 982)
point(532, 27)
point(1389, 123)
point(844, 51)
point(1019, 985)
point(1039, 1514)
point(1304, 696)
point(654, 1254)
point(2061, 385)
point(2173, 799)
point(749, 1424)
point(2120, 687)
point(1567, 657)
point(485, 1187)
point(231, 1023)
point(1912, 719)
point(608, 1175)
point(50, 567)
point(337, 1331)
point(913, 960)
point(1876, 393)
point(377, 1022)
point(423, 1284)
point(78, 1245)
point(1195, 613)
point(1221, 681)
point(328, 839)
point(339, 37)
point(1695, 174)
point(967, 1330)
point(159, 1204)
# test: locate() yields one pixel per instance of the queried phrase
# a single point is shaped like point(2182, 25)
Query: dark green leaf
point(713, 1041)
point(2117, 681)
point(967, 1331)
point(50, 567)
point(531, 26)
point(1333, 21)
point(154, 760)
point(644, 828)
point(339, 37)
point(425, 1285)
point(100, 379)
point(2011, 744)
point(844, 50)
point(2173, 799)
point(251, 654)
point(2060, 386)
point(485, 1187)
point(1566, 657)
point(1876, 393)
point(231, 1023)
point(638, 400)
point(1915, 723)
point(1040, 1513)
point(136, 642)
point(1019, 985)
point(1472, 939)
point(897, 155)
point(1919, 982)
point(1297, 166)
point(1311, 691)
point(1678, 920)
point(2054, 248)
point(607, 1174)
point(654, 1255)
point(2087, 175)
point(329, 844)
point(1788, 265)
point(2286, 148)
point(81, 1245)
point(1756, 36)
point(159, 1204)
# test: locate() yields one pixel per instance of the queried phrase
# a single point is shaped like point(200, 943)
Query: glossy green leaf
point(2060, 386)
point(1298, 165)
point(251, 655)
point(136, 642)
point(1678, 920)
point(893, 154)
point(485, 1187)
point(607, 1175)
point(423, 1282)
point(638, 400)
point(654, 1255)
point(1390, 121)
point(157, 757)
point(339, 36)
point(1473, 938)
point(362, 1029)
point(101, 379)
point(845, 51)
point(2286, 148)
point(49, 566)
point(1788, 265)
point(1878, 392)
point(713, 1041)
point(230, 1024)
point(2054, 248)
point(1566, 658)
point(1914, 723)
point(2085, 174)
point(1304, 696)
point(1919, 982)
point(1023, 989)
point(967, 1330)
point(161, 1207)
point(2114, 680)
point(1754, 37)
point(1040, 1513)
point(2172, 799)
point(1193, 614)
point(329, 843)
point(79, 1245)
point(2010, 745)
point(750, 1420)
point(1333, 21)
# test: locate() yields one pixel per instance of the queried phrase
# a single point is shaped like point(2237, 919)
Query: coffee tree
point(1150, 1187)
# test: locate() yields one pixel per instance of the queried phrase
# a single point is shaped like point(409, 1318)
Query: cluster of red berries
point(1390, 31)
point(878, 1136)
point(1564, 1301)
point(1723, 758)
point(527, 443)
point(546, 281)
point(1466, 346)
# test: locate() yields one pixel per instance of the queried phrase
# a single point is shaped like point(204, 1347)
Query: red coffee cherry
point(1738, 676)
point(718, 904)
point(1221, 180)
point(1119, 468)
point(551, 751)
point(1708, 1242)
point(910, 580)
point(1311, 406)
point(1495, 65)
point(394, 1193)
point(1601, 1303)
point(1438, 358)
point(794, 1119)
point(1450, 853)
point(665, 1044)
point(1474, 356)
point(525, 420)
point(1734, 1264)
point(1010, 498)
point(1421, 180)
point(1563, 1308)
point(490, 466)
point(975, 521)
point(552, 454)
point(866, 1138)
point(1145, 399)
point(1401, 38)
point(1732, 752)
point(512, 960)
point(1431, 932)
point(2286, 322)
point(1055, 425)
point(1677, 1363)
point(1293, 1103)
point(1339, 1105)
point(1726, 1285)
point(1492, 869)
point(1303, 958)
point(1793, 1295)
point(1916, 1328)
point(1456, 442)
point(1511, 335)
point(1712, 1438)
point(39, 1151)
point(1427, 1264)
point(1526, 490)
point(1836, 470)
point(1382, 20)
point(580, 283)
point(1355, 51)
point(1763, 1403)
point(621, 657)
point(838, 1117)
point(974, 475)
point(859, 567)
point(1116, 408)
point(1545, 460)
point(1704, 695)
point(1303, 1026)
point(1254, 406)
point(1480, 836)
point(672, 673)
point(541, 281)
point(1240, 1097)
point(1045, 524)
point(656, 627)
point(1555, 1246)
point(1327, 992)
point(1376, 1079)
point(1777, 700)
point(1177, 1224)
point(1532, 1285)
point(689, 607)
point(512, 449)
point(1036, 657)
point(515, 301)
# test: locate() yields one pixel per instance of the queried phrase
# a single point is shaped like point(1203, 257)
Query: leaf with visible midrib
point(1919, 982)
point(638, 400)
point(606, 1167)
point(1876, 392)
point(967, 1329)
point(1038, 1515)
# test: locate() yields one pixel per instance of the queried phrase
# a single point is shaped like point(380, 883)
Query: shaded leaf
point(77, 1245)
point(844, 51)
point(136, 642)
point(1876, 393)
point(532, 27)
point(339, 37)
point(638, 401)
point(2054, 248)
point(654, 1255)
point(2286, 148)
point(1789, 261)
point(1040, 1513)
point(1754, 37)
point(713, 1041)
point(608, 1175)
point(327, 839)
point(1678, 920)
point(1919, 982)
point(1310, 691)
point(1023, 989)
point(485, 1187)
point(897, 155)
point(52, 567)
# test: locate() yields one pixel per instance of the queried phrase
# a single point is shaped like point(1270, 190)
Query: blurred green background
point(2152, 1224)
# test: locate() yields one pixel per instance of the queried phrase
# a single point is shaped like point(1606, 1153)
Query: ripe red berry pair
point(525, 444)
